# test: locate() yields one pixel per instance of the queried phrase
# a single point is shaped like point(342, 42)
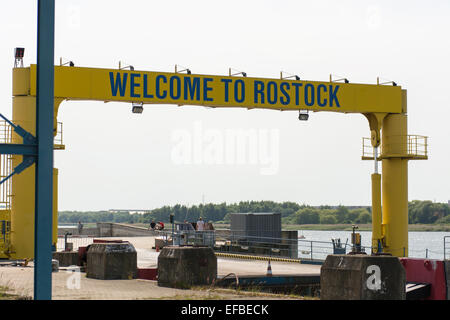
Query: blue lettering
point(226, 81)
point(146, 95)
point(192, 88)
point(134, 85)
point(158, 92)
point(118, 85)
point(319, 101)
point(206, 89)
point(236, 89)
point(259, 90)
point(286, 99)
point(178, 81)
point(309, 95)
point(297, 92)
point(272, 95)
point(333, 96)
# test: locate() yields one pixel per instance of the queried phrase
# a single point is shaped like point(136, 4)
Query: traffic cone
point(269, 270)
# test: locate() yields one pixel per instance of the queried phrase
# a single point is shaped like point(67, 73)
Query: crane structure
point(384, 106)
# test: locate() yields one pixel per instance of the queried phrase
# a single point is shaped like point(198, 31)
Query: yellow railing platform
point(413, 147)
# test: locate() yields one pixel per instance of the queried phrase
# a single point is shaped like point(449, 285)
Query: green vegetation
point(428, 212)
point(434, 215)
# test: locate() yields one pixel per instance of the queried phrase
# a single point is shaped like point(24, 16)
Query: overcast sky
point(117, 159)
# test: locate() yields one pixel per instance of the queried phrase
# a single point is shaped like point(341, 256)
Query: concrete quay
point(148, 258)
point(66, 285)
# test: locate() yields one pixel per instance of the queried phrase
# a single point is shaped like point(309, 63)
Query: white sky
point(116, 159)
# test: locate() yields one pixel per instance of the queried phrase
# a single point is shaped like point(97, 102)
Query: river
point(418, 242)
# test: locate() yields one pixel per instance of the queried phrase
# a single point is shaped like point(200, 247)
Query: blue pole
point(44, 163)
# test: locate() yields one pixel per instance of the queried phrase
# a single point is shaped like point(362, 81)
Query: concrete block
point(362, 277)
point(111, 261)
point(183, 267)
point(66, 258)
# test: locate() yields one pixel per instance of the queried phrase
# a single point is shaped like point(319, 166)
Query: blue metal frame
point(39, 150)
point(44, 164)
point(28, 149)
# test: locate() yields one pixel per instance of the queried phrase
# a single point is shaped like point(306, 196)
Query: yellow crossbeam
point(79, 83)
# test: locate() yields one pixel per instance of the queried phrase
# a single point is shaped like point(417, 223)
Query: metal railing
point(80, 241)
point(418, 145)
point(411, 146)
point(189, 237)
point(446, 247)
point(5, 167)
point(58, 140)
point(5, 190)
point(367, 148)
point(303, 249)
point(6, 133)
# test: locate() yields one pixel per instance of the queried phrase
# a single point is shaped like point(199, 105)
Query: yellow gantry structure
point(383, 105)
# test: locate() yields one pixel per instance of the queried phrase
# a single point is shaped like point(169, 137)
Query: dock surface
point(19, 280)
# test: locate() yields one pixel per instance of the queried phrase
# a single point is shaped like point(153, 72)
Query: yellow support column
point(23, 184)
point(376, 212)
point(395, 185)
point(55, 207)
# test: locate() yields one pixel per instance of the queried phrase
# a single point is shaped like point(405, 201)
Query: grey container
point(256, 227)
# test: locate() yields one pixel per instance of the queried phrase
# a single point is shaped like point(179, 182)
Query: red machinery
point(431, 276)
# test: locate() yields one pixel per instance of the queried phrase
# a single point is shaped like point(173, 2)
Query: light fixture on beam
point(303, 115)
point(126, 66)
point(70, 63)
point(236, 72)
point(296, 77)
point(18, 57)
point(340, 79)
point(388, 82)
point(188, 71)
point(138, 107)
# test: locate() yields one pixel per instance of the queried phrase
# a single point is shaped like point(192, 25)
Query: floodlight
point(126, 66)
point(188, 71)
point(18, 57)
point(138, 107)
point(290, 76)
point(387, 82)
point(19, 53)
point(244, 74)
point(337, 80)
point(303, 116)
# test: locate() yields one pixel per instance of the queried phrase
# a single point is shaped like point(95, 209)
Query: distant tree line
point(428, 212)
point(97, 216)
point(329, 215)
point(423, 212)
